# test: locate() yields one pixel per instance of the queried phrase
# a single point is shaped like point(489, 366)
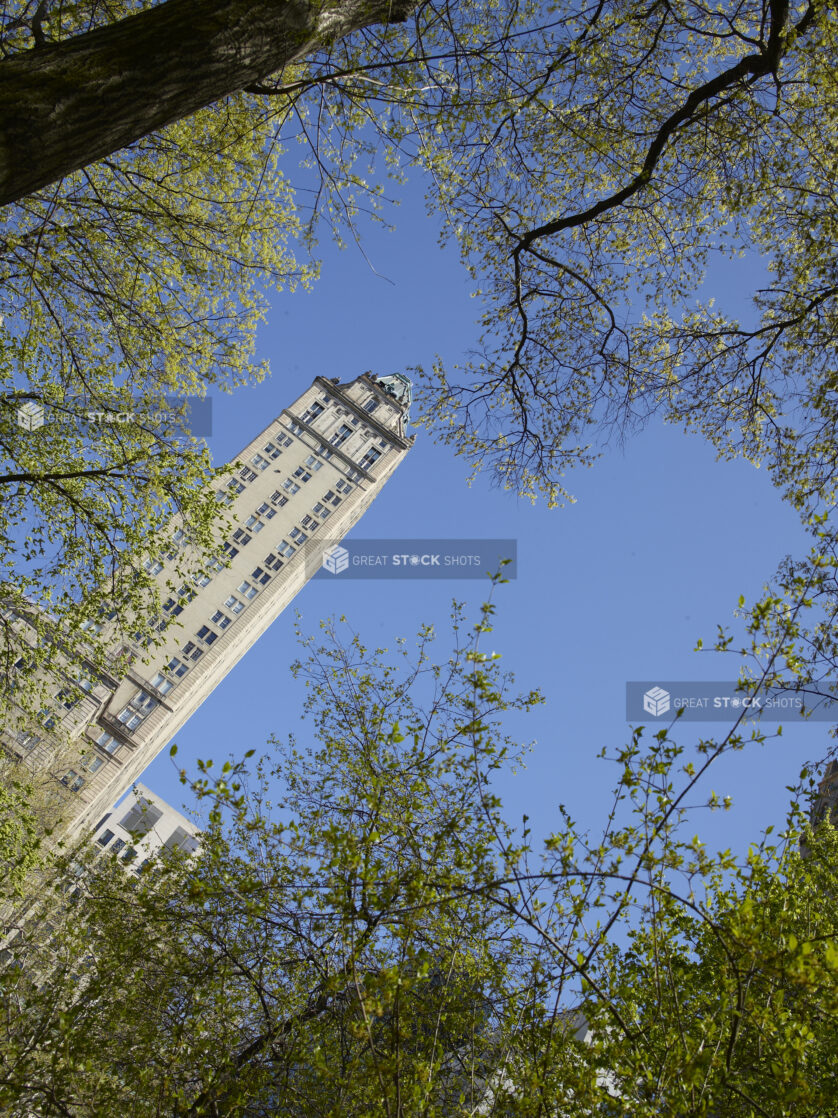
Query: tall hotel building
point(294, 491)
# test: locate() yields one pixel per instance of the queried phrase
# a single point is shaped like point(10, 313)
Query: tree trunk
point(66, 105)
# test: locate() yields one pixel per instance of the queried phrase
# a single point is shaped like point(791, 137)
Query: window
point(341, 435)
point(206, 635)
point(311, 413)
point(117, 846)
point(255, 524)
point(235, 487)
point(27, 740)
point(261, 576)
point(247, 591)
point(298, 536)
point(67, 698)
point(215, 565)
point(48, 718)
point(220, 619)
point(95, 626)
point(313, 463)
point(105, 838)
point(153, 566)
point(179, 536)
point(272, 562)
point(177, 667)
point(234, 605)
point(353, 475)
point(224, 496)
point(303, 474)
point(371, 404)
point(278, 499)
point(321, 511)
point(84, 682)
point(201, 579)
point(162, 684)
point(130, 718)
point(285, 549)
point(297, 428)
point(289, 486)
point(343, 487)
point(191, 651)
point(310, 523)
point(129, 855)
point(181, 839)
point(241, 537)
point(72, 780)
point(93, 764)
point(272, 450)
point(247, 474)
point(107, 742)
point(370, 458)
point(171, 607)
point(259, 462)
point(266, 511)
point(144, 702)
point(230, 551)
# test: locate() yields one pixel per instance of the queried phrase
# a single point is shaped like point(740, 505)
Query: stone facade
point(294, 491)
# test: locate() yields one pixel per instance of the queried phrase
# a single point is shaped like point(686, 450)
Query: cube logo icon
point(656, 701)
point(336, 559)
point(30, 416)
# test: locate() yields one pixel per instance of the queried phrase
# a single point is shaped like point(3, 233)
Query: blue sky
point(619, 586)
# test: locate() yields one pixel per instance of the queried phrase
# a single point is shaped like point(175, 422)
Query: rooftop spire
point(399, 387)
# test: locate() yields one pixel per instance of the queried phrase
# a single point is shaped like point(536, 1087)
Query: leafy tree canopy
point(364, 933)
point(590, 161)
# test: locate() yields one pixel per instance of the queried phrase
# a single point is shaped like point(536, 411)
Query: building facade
point(143, 827)
point(293, 492)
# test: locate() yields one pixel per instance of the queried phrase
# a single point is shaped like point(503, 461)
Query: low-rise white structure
point(142, 827)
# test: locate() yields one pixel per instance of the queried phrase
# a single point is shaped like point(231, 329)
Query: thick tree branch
point(100, 471)
point(749, 68)
point(66, 105)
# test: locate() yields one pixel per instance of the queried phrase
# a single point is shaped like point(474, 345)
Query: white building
point(295, 490)
point(143, 826)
